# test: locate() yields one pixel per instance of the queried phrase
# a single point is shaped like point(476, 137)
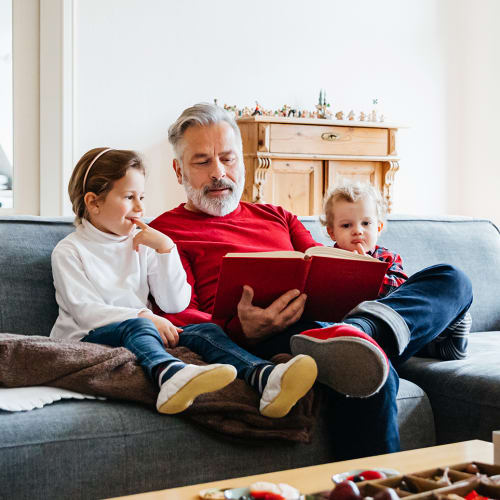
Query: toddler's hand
point(151, 238)
point(359, 249)
point(168, 332)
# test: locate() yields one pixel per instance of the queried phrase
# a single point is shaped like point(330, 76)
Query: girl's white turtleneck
point(100, 279)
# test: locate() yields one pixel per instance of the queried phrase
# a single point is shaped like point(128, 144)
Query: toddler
point(354, 215)
point(104, 273)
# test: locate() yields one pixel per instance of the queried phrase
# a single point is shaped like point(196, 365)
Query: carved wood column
point(391, 167)
point(262, 167)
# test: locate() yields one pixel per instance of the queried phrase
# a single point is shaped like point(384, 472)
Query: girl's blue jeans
point(141, 336)
point(429, 302)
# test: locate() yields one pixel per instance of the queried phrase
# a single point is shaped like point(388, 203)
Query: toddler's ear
point(329, 230)
point(380, 226)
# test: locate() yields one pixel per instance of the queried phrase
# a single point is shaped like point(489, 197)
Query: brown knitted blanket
point(113, 372)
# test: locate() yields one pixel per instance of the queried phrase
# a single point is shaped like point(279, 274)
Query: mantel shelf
point(304, 156)
point(318, 121)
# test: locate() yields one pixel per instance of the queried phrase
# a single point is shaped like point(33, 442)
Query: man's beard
point(218, 206)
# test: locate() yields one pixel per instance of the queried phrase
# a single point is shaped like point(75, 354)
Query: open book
point(334, 280)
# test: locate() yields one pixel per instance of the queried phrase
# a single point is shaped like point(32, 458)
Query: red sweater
point(202, 241)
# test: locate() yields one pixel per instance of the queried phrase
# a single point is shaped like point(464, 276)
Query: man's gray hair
point(201, 114)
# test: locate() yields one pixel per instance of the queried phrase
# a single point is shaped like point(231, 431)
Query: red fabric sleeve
point(299, 236)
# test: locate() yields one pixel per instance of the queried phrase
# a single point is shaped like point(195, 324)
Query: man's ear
point(380, 226)
point(329, 230)
point(92, 203)
point(177, 169)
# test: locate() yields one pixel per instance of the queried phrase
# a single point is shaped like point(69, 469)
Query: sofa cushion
point(136, 449)
point(472, 245)
point(465, 394)
point(27, 296)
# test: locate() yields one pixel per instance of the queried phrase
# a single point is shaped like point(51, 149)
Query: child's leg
point(280, 386)
point(452, 343)
point(179, 383)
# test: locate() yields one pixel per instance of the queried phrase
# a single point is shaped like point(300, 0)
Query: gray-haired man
point(209, 164)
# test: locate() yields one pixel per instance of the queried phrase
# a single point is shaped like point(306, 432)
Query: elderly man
point(353, 356)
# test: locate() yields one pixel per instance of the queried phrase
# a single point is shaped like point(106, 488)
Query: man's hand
point(258, 323)
point(151, 238)
point(168, 332)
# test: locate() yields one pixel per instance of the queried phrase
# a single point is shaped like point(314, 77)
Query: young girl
point(354, 216)
point(104, 273)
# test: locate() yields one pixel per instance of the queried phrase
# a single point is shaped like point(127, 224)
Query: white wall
point(433, 65)
point(6, 78)
point(474, 135)
point(139, 63)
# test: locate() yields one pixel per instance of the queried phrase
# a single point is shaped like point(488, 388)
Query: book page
point(276, 254)
point(337, 253)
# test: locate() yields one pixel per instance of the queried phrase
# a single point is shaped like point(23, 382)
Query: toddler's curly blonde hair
point(351, 192)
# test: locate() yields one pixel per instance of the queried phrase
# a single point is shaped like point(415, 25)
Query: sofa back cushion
point(473, 245)
point(27, 296)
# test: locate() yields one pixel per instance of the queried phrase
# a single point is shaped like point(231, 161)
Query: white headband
point(90, 166)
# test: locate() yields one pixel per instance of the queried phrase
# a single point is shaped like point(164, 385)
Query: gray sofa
point(96, 449)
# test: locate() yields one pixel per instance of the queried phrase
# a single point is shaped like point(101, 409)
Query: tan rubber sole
point(295, 383)
point(350, 366)
point(208, 381)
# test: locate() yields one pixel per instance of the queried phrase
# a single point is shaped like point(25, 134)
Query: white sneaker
point(287, 383)
point(179, 391)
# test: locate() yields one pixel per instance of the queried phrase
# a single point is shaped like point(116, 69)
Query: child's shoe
point(452, 343)
point(179, 391)
point(287, 383)
point(349, 361)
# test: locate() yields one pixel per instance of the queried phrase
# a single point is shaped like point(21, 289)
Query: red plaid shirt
point(394, 276)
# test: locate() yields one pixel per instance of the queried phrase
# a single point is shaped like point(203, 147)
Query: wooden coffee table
point(318, 477)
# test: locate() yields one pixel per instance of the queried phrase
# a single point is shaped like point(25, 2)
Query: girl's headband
point(90, 166)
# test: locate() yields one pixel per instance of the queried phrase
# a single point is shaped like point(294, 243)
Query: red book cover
point(333, 285)
point(269, 277)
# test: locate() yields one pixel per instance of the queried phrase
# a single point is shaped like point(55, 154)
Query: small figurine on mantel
point(362, 116)
point(322, 106)
point(257, 110)
point(339, 115)
point(373, 115)
point(284, 110)
point(232, 108)
point(351, 115)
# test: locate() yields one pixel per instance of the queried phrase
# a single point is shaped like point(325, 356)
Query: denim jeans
point(141, 336)
point(429, 302)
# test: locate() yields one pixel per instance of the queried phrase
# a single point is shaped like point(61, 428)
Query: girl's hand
point(151, 238)
point(168, 332)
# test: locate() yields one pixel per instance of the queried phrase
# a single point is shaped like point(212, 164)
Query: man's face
point(212, 170)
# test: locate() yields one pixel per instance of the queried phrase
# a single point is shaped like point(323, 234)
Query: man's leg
point(358, 427)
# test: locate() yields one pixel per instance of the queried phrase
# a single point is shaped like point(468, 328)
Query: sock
point(259, 377)
point(452, 343)
point(377, 330)
point(164, 371)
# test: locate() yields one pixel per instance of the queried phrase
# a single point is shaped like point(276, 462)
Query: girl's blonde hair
point(108, 168)
point(352, 192)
